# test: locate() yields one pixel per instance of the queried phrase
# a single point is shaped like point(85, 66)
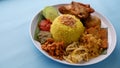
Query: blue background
point(16, 47)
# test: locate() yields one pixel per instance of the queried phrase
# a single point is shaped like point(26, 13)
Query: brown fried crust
point(80, 10)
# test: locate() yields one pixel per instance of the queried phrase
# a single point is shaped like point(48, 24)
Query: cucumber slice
point(50, 13)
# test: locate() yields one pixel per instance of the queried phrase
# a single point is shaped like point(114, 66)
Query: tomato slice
point(45, 25)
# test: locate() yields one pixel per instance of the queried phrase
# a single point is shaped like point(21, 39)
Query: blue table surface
point(16, 47)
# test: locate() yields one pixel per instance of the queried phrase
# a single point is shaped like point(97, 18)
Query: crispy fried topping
point(55, 49)
point(68, 21)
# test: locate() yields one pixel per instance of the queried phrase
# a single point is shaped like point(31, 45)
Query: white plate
point(105, 24)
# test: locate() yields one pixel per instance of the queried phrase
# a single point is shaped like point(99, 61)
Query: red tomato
point(45, 25)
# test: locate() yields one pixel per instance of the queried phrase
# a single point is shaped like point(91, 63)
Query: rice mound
point(66, 28)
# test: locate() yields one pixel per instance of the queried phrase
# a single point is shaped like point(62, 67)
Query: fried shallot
point(55, 49)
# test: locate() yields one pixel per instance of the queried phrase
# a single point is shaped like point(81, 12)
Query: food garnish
point(50, 13)
point(43, 36)
point(45, 25)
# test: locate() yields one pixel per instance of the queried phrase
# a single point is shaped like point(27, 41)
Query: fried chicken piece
point(104, 36)
point(82, 11)
point(92, 21)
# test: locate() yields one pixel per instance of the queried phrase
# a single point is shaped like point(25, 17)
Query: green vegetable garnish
point(37, 30)
point(104, 52)
point(50, 13)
